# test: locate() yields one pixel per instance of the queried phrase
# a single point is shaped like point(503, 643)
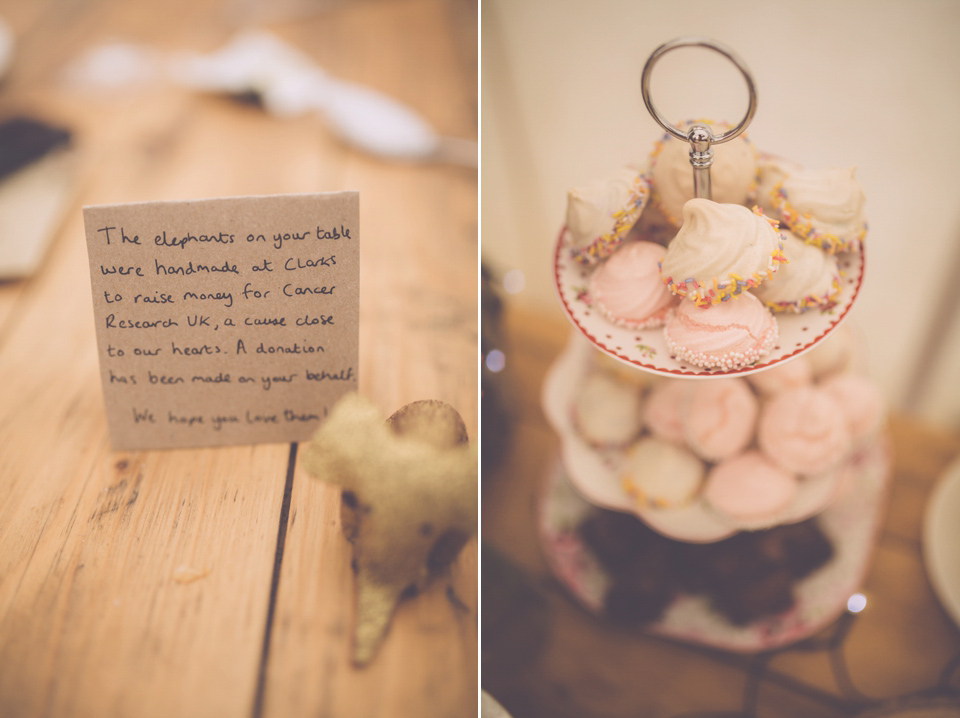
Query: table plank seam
point(259, 696)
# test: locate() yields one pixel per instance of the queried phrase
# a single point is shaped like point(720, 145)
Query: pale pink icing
point(627, 287)
point(663, 410)
point(787, 375)
point(749, 487)
point(804, 430)
point(720, 418)
point(861, 402)
point(731, 334)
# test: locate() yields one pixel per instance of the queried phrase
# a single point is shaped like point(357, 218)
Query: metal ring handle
point(711, 45)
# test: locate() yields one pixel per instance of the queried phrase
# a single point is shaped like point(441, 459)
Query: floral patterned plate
point(647, 349)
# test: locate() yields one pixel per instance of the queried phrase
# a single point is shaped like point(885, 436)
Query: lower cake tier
point(699, 460)
point(750, 592)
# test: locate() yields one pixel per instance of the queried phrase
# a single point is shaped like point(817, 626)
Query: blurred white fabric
point(289, 84)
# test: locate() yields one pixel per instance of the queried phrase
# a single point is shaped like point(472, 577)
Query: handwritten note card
point(224, 321)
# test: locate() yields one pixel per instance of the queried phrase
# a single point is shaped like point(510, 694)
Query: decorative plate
point(594, 473)
point(646, 348)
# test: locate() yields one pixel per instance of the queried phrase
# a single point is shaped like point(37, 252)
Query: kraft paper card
point(224, 321)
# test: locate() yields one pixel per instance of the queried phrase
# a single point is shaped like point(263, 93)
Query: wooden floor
point(216, 582)
point(544, 657)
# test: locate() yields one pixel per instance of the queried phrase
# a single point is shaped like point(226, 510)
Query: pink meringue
point(720, 418)
point(627, 287)
point(730, 335)
point(749, 487)
point(804, 430)
point(663, 411)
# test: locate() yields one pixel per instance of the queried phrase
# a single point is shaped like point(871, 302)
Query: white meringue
point(824, 207)
point(733, 175)
point(599, 214)
point(721, 250)
point(809, 278)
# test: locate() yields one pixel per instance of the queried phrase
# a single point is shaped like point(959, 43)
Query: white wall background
point(841, 83)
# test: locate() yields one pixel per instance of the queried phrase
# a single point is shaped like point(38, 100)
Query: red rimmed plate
point(647, 349)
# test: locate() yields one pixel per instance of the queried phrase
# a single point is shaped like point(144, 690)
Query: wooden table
point(544, 656)
point(216, 582)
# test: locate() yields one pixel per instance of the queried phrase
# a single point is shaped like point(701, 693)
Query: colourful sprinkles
point(623, 220)
point(644, 498)
point(811, 301)
point(802, 226)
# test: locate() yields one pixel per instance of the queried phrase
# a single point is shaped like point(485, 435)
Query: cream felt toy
point(409, 500)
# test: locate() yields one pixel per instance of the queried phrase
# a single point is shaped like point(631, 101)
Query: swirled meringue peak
point(728, 336)
point(804, 430)
point(720, 418)
point(824, 207)
point(809, 278)
point(733, 174)
point(601, 213)
point(749, 487)
point(721, 250)
point(627, 287)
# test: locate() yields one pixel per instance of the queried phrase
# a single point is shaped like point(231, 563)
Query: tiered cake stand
point(848, 502)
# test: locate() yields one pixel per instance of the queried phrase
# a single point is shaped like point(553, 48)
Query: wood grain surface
point(216, 582)
point(573, 664)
